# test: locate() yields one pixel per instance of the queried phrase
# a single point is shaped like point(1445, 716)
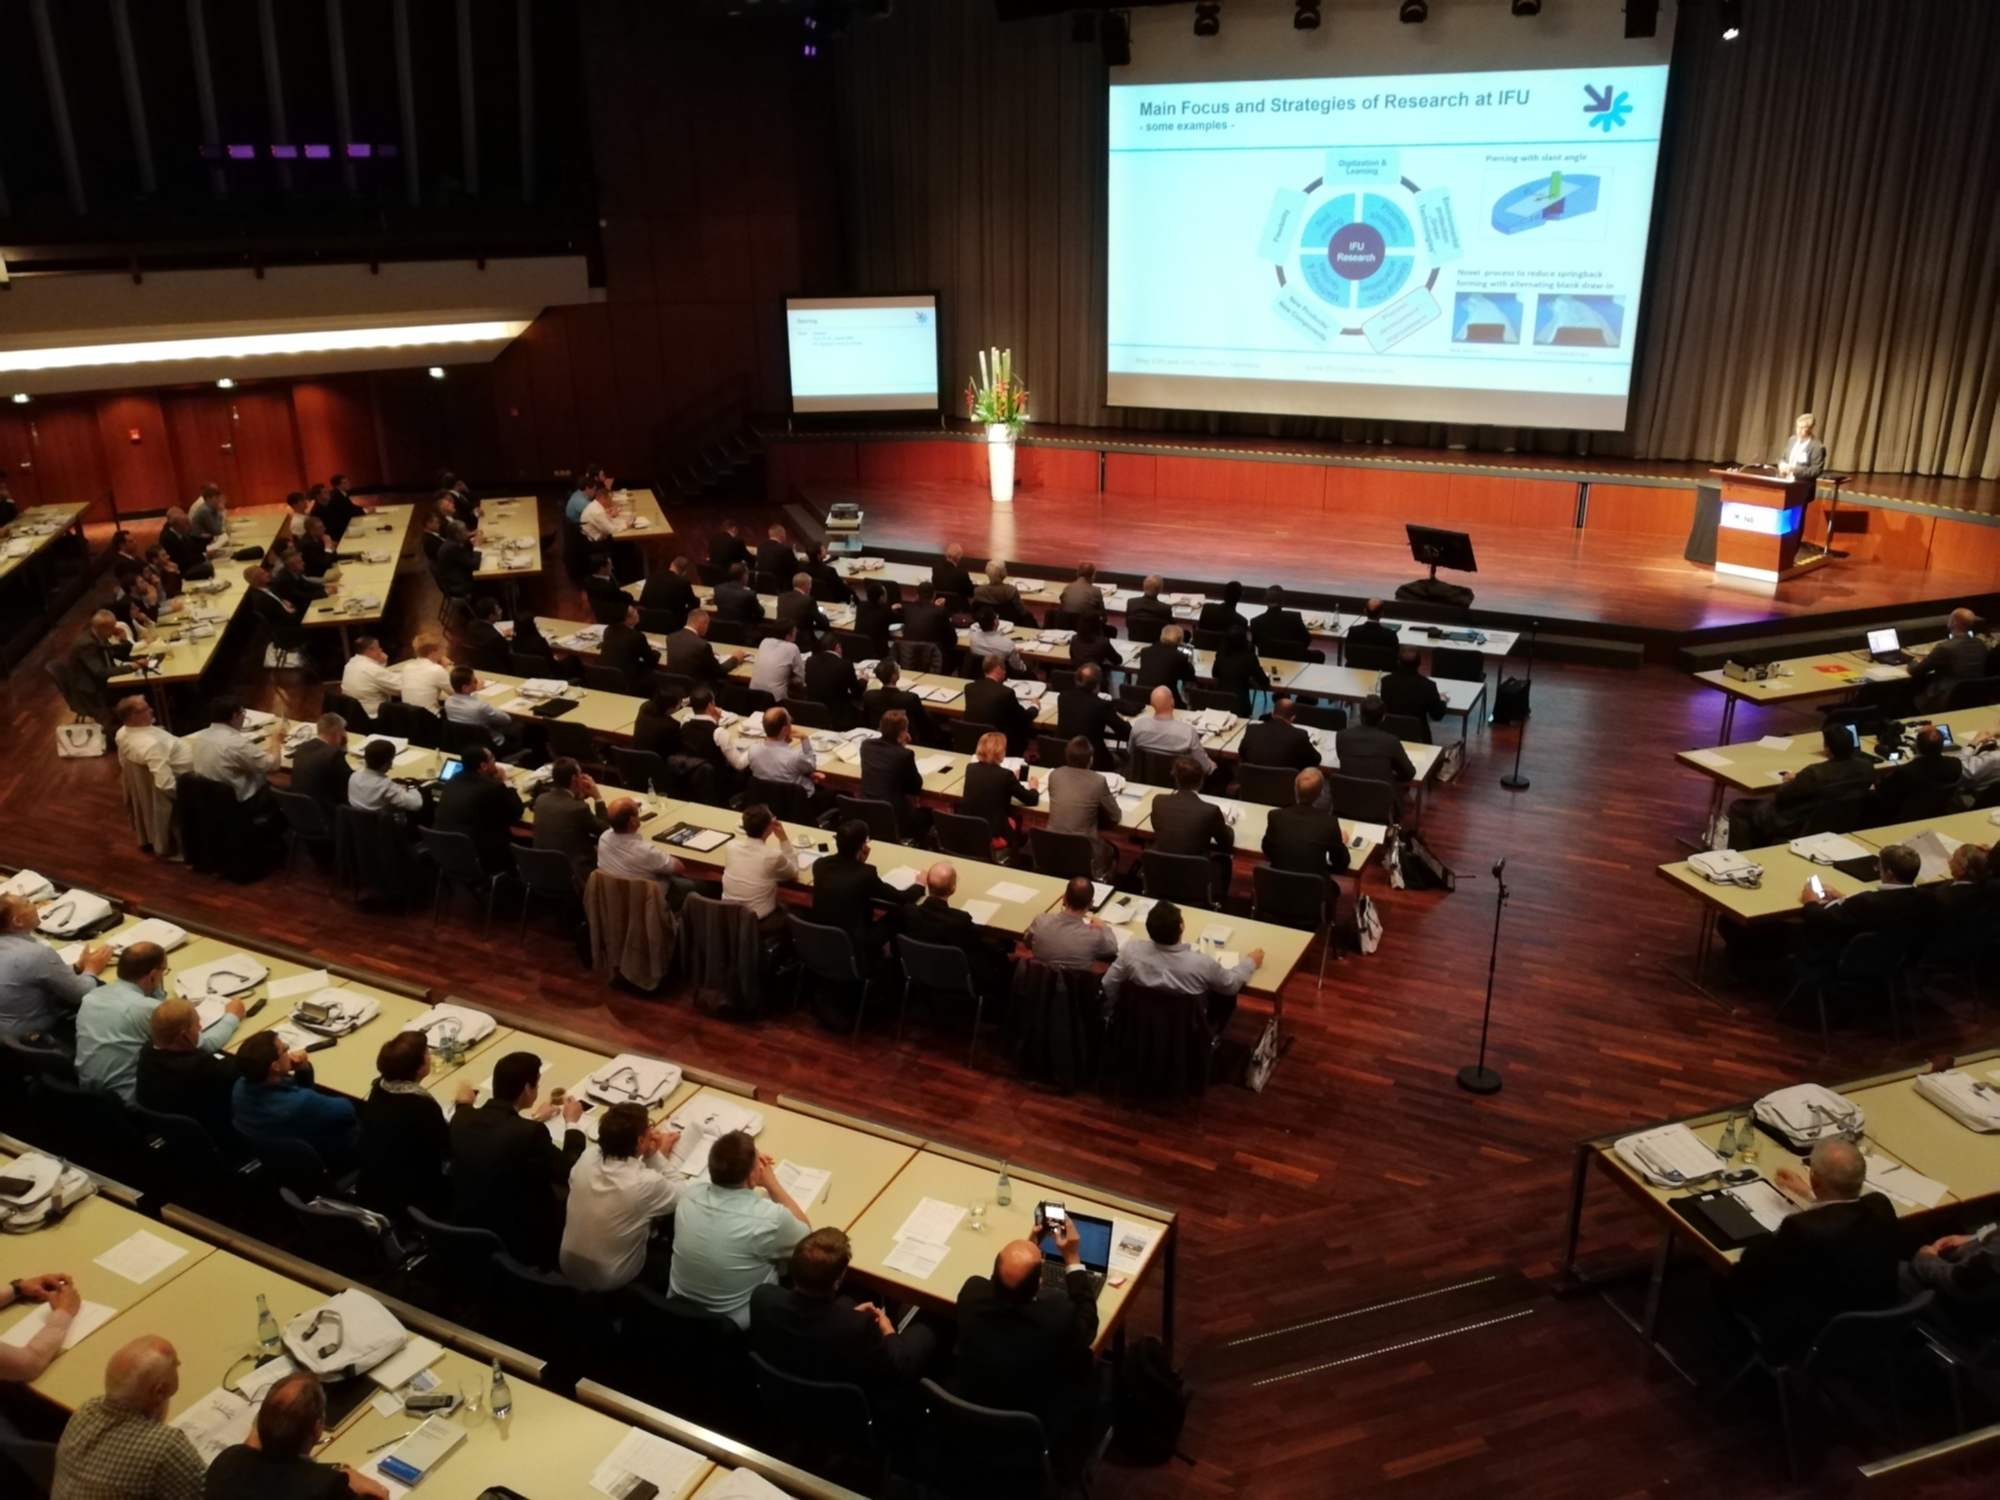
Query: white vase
point(1000, 460)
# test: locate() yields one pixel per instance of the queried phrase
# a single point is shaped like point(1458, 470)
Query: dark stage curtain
point(1825, 239)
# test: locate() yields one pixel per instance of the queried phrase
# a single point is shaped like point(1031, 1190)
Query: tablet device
point(451, 769)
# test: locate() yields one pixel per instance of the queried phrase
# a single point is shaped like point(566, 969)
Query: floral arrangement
point(996, 396)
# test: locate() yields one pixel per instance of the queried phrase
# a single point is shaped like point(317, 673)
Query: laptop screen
point(1093, 1245)
point(1883, 641)
point(450, 769)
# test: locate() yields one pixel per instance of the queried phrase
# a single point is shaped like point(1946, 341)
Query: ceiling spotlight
point(1732, 19)
point(1414, 11)
point(20, 398)
point(1207, 17)
point(225, 384)
point(1114, 38)
point(1642, 19)
point(1305, 15)
point(1527, 7)
point(437, 372)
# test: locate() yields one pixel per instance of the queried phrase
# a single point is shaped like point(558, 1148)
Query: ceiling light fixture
point(1305, 15)
point(1527, 7)
point(225, 384)
point(21, 398)
point(1642, 19)
point(1207, 17)
point(315, 341)
point(1732, 19)
point(437, 372)
point(1415, 11)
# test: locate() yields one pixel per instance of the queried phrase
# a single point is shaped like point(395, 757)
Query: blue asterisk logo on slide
point(1607, 107)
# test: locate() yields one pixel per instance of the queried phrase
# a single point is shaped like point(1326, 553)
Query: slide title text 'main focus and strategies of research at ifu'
point(1477, 237)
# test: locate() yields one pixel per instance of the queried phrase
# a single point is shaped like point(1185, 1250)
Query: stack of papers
point(1670, 1156)
point(902, 877)
point(803, 1183)
point(923, 1241)
point(140, 1257)
point(931, 765)
point(221, 1419)
point(1764, 1203)
point(641, 1456)
point(982, 912)
point(1901, 1185)
point(1934, 850)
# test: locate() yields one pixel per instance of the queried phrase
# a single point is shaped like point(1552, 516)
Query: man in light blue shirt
point(580, 496)
point(1161, 961)
point(728, 1241)
point(465, 706)
point(37, 989)
point(113, 1025)
point(371, 790)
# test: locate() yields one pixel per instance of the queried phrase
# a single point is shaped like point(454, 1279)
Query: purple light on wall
point(359, 150)
point(284, 153)
point(319, 153)
point(242, 153)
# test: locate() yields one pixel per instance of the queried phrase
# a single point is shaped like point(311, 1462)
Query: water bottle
point(502, 1403)
point(269, 1340)
point(1003, 1189)
point(1727, 1148)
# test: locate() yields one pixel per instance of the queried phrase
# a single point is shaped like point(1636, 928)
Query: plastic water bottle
point(502, 1403)
point(269, 1340)
point(1003, 1188)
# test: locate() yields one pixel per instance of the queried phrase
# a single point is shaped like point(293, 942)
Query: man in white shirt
point(368, 678)
point(426, 678)
point(728, 1241)
point(617, 1190)
point(370, 789)
point(465, 706)
point(142, 742)
point(988, 637)
point(1160, 960)
point(759, 857)
point(1163, 734)
point(624, 851)
point(780, 669)
point(600, 513)
point(223, 752)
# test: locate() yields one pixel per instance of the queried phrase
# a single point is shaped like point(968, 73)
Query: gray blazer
point(1815, 464)
point(1077, 800)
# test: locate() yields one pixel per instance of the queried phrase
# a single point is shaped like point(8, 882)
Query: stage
point(1597, 551)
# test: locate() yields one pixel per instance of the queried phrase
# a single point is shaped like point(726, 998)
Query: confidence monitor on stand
point(1439, 549)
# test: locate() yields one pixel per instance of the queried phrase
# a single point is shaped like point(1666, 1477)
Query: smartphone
point(1817, 887)
point(1051, 1215)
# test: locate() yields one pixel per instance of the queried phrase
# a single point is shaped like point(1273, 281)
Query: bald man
point(1959, 657)
point(936, 921)
point(1023, 1349)
point(277, 1463)
point(118, 1445)
point(1837, 1254)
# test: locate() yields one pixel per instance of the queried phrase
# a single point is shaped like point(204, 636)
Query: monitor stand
point(1434, 590)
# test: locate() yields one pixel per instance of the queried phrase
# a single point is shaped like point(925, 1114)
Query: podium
point(1761, 525)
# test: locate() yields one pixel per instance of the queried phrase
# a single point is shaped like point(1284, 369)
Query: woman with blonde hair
point(991, 790)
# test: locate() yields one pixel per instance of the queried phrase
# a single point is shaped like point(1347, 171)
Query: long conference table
point(365, 584)
point(30, 535)
point(1798, 680)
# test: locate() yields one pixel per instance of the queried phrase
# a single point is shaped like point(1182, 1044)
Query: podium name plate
point(1761, 524)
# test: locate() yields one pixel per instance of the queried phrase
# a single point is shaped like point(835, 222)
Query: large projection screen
point(863, 353)
point(1411, 233)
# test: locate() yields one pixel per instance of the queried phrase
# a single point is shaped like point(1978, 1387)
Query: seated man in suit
point(832, 682)
point(1371, 632)
point(1963, 1269)
point(1282, 632)
point(1165, 664)
point(798, 610)
point(1837, 1255)
point(102, 652)
point(1927, 770)
point(848, 893)
point(607, 600)
point(1081, 595)
point(479, 803)
point(319, 766)
point(1959, 657)
point(290, 582)
point(1219, 614)
point(570, 817)
point(736, 602)
point(726, 548)
point(928, 619)
point(1149, 608)
point(507, 1175)
point(889, 774)
point(1072, 936)
point(936, 921)
point(828, 587)
point(1306, 836)
point(689, 654)
point(1002, 595)
point(701, 737)
point(1757, 821)
point(1185, 822)
point(810, 1331)
point(886, 695)
point(486, 649)
point(989, 701)
point(1083, 711)
point(1368, 750)
point(951, 576)
point(1020, 1349)
point(1279, 741)
point(775, 558)
point(458, 558)
point(179, 1076)
point(274, 1097)
point(1162, 961)
point(672, 593)
point(1081, 802)
point(1405, 690)
point(1160, 734)
point(187, 551)
point(625, 648)
point(876, 614)
point(1896, 906)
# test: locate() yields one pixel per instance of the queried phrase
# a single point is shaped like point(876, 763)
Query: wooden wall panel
point(965, 462)
point(141, 471)
point(1634, 509)
point(69, 452)
point(789, 465)
point(1965, 547)
point(268, 465)
point(203, 443)
point(1131, 474)
point(1056, 468)
point(1476, 499)
point(1899, 538)
point(336, 431)
point(17, 456)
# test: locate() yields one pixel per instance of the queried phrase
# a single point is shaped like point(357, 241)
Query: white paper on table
point(803, 1183)
point(982, 912)
point(902, 877)
point(140, 1257)
point(1776, 742)
point(495, 689)
point(208, 1012)
point(300, 984)
point(1934, 851)
point(743, 1484)
point(1715, 760)
point(1899, 1182)
point(1764, 1203)
point(933, 765)
point(918, 1258)
point(89, 1318)
point(932, 1221)
point(387, 1404)
point(221, 1419)
point(1130, 1240)
point(644, 1456)
point(1006, 890)
point(401, 1367)
point(1373, 833)
point(411, 756)
point(261, 1378)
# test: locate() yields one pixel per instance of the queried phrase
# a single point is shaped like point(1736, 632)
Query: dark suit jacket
point(953, 579)
point(1273, 742)
point(405, 1143)
point(725, 549)
point(1027, 1356)
point(1411, 693)
point(188, 552)
point(319, 555)
point(1099, 651)
point(828, 1340)
point(872, 621)
point(296, 588)
point(1924, 773)
point(738, 604)
point(845, 892)
point(430, 541)
point(1958, 659)
point(1215, 615)
point(608, 602)
point(889, 774)
point(456, 563)
point(878, 701)
point(944, 925)
point(1815, 464)
point(565, 821)
point(627, 650)
point(484, 810)
point(672, 593)
point(1305, 838)
point(1793, 803)
point(925, 621)
point(1084, 713)
point(1148, 607)
point(990, 702)
point(1239, 673)
point(320, 771)
point(777, 559)
point(487, 648)
point(1370, 751)
point(1373, 633)
point(1894, 909)
point(284, 624)
point(831, 679)
point(195, 1084)
point(337, 509)
point(991, 792)
point(828, 586)
point(690, 656)
point(1166, 666)
point(796, 609)
point(508, 1176)
point(1185, 823)
point(1281, 633)
point(1830, 1259)
point(698, 738)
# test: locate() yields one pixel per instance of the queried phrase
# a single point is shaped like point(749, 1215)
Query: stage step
point(1587, 651)
point(1915, 632)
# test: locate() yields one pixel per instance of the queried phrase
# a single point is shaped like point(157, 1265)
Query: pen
point(391, 1443)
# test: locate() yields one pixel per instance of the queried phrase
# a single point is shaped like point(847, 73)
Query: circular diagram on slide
point(1357, 251)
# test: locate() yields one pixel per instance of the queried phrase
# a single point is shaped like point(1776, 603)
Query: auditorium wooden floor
point(1361, 1177)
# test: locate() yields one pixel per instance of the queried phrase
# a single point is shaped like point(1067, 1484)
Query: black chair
point(1408, 728)
point(1979, 692)
point(350, 709)
point(639, 770)
point(1838, 815)
point(918, 656)
point(306, 823)
point(291, 1163)
point(1455, 664)
point(817, 1420)
point(419, 725)
point(374, 855)
point(1294, 898)
point(1268, 786)
point(567, 737)
point(1151, 767)
point(219, 834)
point(979, 1451)
point(545, 1311)
point(1061, 679)
point(965, 735)
point(1369, 658)
point(1055, 1023)
point(943, 972)
point(731, 633)
point(350, 1239)
point(717, 936)
point(808, 714)
point(1206, 640)
point(966, 837)
point(456, 859)
point(1185, 879)
point(33, 1460)
point(770, 584)
point(1931, 802)
point(455, 735)
point(1145, 632)
point(549, 875)
point(789, 802)
point(30, 1060)
point(880, 817)
point(1228, 702)
point(602, 679)
point(827, 953)
point(1051, 750)
point(709, 1378)
point(659, 621)
point(1361, 799)
point(184, 1165)
point(85, 1125)
point(1869, 970)
point(1063, 855)
point(458, 1260)
point(1160, 1041)
point(526, 664)
point(1327, 716)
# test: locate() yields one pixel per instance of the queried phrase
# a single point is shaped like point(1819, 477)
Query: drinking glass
point(472, 1399)
point(978, 1213)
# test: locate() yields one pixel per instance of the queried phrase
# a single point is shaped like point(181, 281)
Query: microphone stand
point(1480, 1079)
point(1514, 781)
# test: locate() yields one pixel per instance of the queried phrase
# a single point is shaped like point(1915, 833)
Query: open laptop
point(1885, 647)
point(1093, 1248)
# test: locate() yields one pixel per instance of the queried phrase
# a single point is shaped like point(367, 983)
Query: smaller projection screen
point(863, 353)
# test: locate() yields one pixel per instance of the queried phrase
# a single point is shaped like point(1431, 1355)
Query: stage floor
point(1638, 585)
